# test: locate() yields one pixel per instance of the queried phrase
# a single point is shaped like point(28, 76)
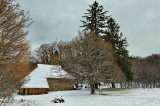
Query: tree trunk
point(92, 89)
point(121, 85)
point(96, 86)
point(113, 85)
point(99, 90)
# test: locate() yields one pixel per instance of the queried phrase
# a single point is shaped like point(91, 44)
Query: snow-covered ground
point(130, 97)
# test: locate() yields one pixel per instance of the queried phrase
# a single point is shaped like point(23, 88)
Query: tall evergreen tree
point(113, 35)
point(95, 19)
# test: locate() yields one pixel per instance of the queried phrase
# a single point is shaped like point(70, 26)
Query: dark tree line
point(146, 71)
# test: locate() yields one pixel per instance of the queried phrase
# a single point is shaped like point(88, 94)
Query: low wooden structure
point(47, 78)
point(33, 91)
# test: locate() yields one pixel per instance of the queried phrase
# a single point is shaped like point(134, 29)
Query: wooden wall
point(33, 91)
point(57, 84)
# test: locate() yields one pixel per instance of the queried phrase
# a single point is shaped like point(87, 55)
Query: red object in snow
point(21, 100)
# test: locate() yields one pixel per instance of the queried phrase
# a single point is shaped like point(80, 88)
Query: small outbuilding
point(47, 78)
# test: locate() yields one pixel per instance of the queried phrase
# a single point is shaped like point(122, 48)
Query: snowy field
point(130, 97)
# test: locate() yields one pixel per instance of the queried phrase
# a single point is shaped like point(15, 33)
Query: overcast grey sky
point(139, 21)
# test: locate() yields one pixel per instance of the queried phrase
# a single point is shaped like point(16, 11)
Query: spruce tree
point(113, 35)
point(95, 19)
point(105, 26)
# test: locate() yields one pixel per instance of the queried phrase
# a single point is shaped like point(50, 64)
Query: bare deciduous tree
point(145, 74)
point(44, 53)
point(14, 48)
point(87, 60)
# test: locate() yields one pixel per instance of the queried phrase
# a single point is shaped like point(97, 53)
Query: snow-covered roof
point(38, 77)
